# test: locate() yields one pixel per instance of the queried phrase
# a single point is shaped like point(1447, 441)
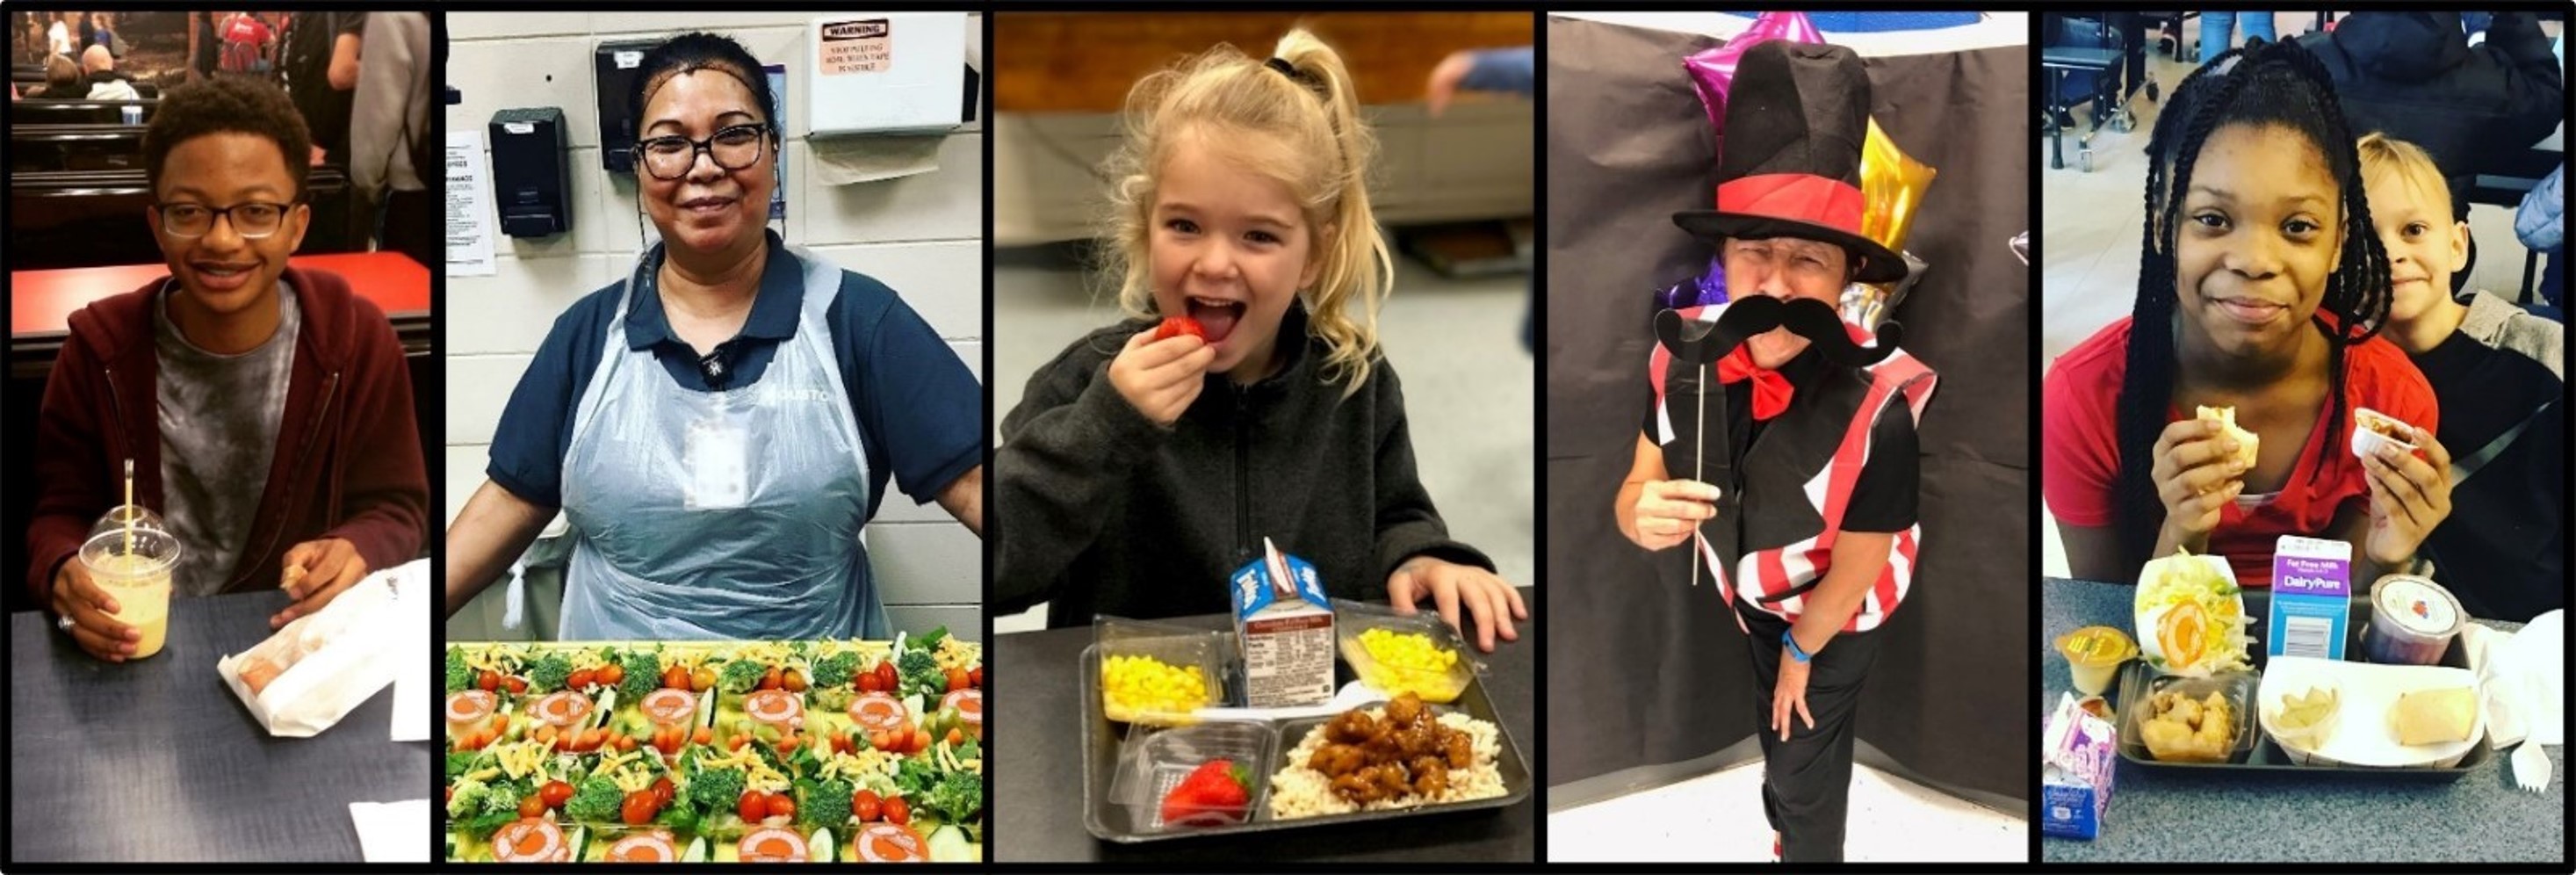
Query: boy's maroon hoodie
point(348, 461)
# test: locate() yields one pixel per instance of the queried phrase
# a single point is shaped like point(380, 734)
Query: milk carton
point(2311, 598)
point(2078, 754)
point(1285, 624)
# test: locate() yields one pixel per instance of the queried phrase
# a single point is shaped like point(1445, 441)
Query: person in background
point(100, 69)
point(2414, 77)
point(103, 33)
point(205, 48)
point(703, 509)
point(2540, 223)
point(2218, 31)
point(1510, 71)
point(63, 79)
point(58, 38)
point(390, 138)
point(265, 409)
point(318, 60)
point(247, 42)
point(2497, 372)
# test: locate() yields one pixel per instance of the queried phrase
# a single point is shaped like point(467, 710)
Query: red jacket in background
point(348, 462)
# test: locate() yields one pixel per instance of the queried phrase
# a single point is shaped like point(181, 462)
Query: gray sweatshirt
point(1099, 511)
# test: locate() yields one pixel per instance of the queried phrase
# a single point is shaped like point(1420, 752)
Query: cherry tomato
point(703, 680)
point(489, 680)
point(753, 805)
point(793, 680)
point(515, 684)
point(769, 680)
point(955, 737)
point(976, 677)
point(782, 806)
point(705, 735)
point(532, 807)
point(866, 806)
point(887, 679)
point(787, 744)
point(626, 742)
point(581, 679)
point(896, 812)
point(736, 742)
point(638, 809)
point(611, 673)
point(920, 740)
point(676, 678)
point(1175, 326)
point(867, 682)
point(554, 793)
point(663, 790)
point(956, 679)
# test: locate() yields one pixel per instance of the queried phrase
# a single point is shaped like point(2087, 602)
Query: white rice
point(1298, 791)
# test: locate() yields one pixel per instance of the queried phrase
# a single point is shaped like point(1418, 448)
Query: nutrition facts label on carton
point(1288, 660)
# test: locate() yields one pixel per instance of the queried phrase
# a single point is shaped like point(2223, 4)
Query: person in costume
point(1794, 477)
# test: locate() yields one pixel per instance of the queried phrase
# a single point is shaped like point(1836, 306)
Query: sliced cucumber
point(707, 709)
point(697, 852)
point(819, 847)
point(598, 715)
point(948, 845)
point(580, 835)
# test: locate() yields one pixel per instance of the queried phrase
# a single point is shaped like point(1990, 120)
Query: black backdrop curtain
point(1641, 672)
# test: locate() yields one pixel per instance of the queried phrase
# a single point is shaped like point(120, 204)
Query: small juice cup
point(134, 569)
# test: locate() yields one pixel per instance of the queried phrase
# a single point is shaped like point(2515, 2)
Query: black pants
point(1806, 780)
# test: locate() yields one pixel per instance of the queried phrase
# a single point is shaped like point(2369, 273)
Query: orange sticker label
point(857, 46)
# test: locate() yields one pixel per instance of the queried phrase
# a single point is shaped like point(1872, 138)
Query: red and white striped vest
point(1773, 538)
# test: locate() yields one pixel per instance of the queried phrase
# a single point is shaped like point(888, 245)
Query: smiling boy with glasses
point(266, 408)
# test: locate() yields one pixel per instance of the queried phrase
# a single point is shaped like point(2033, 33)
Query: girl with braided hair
point(2262, 287)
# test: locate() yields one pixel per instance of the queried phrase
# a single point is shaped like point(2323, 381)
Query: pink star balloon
point(1712, 72)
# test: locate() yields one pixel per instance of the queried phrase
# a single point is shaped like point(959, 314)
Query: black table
point(1038, 756)
point(156, 760)
point(2174, 815)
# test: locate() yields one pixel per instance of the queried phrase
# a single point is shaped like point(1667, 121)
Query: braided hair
point(2261, 84)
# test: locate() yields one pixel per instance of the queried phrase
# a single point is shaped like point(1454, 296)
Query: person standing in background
point(246, 44)
point(318, 59)
point(2218, 31)
point(58, 39)
point(389, 135)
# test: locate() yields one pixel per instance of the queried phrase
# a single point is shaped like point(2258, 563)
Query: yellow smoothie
point(141, 587)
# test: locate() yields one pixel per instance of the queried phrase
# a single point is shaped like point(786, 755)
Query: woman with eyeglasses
point(265, 408)
point(718, 426)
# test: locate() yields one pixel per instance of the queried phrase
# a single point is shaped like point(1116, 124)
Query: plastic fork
point(2531, 767)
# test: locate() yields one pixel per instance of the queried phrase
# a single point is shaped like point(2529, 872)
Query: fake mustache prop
point(1814, 320)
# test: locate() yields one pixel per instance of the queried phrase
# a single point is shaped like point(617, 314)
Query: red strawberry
point(1215, 794)
point(1175, 326)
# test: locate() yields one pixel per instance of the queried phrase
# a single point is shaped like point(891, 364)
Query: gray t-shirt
point(219, 421)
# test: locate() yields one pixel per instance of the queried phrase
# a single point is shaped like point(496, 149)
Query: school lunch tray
point(2266, 754)
point(1112, 821)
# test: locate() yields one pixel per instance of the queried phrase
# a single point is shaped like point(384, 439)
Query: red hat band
point(1796, 197)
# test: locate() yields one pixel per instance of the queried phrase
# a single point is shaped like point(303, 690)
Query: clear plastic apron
point(732, 514)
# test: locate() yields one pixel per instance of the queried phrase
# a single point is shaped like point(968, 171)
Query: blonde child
point(2495, 368)
point(1141, 466)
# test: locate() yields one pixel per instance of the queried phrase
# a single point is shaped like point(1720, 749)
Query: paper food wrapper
point(328, 662)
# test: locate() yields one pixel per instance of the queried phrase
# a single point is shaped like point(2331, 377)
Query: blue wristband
point(1795, 652)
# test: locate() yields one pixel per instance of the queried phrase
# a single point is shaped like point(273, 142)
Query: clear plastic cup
point(134, 569)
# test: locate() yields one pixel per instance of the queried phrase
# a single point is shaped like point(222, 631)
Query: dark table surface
point(155, 759)
point(1037, 772)
point(2171, 815)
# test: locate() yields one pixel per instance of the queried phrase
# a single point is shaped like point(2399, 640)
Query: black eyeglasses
point(671, 156)
point(252, 220)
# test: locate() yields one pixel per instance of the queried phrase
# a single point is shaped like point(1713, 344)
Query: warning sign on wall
point(865, 46)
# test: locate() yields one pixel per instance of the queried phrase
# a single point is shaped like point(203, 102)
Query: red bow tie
point(1770, 390)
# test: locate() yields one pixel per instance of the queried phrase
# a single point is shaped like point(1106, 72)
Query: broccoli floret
point(482, 826)
point(680, 818)
point(459, 761)
point(458, 676)
point(957, 796)
point(468, 799)
point(834, 670)
point(595, 801)
point(549, 672)
point(740, 675)
point(716, 789)
point(920, 671)
point(502, 797)
point(915, 777)
point(643, 673)
point(822, 803)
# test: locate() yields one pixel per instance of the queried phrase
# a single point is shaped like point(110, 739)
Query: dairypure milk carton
point(1285, 624)
point(2311, 598)
point(2078, 755)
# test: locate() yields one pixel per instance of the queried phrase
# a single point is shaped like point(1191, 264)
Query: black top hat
point(1795, 120)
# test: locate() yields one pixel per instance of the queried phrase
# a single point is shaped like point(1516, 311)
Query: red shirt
point(2080, 455)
